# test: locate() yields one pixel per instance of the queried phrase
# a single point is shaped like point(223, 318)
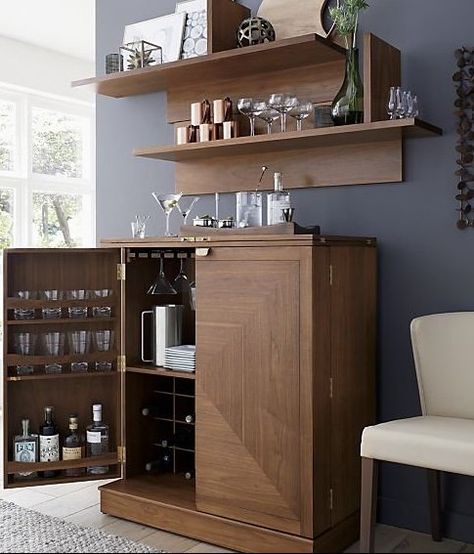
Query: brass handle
point(202, 252)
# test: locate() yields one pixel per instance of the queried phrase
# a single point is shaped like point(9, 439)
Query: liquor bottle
point(73, 447)
point(277, 201)
point(25, 450)
point(97, 440)
point(48, 441)
point(164, 464)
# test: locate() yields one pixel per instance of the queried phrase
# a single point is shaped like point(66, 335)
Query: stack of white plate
point(181, 358)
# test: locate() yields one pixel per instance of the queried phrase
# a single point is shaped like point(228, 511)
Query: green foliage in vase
point(346, 19)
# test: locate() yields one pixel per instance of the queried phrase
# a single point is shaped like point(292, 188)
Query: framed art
point(195, 31)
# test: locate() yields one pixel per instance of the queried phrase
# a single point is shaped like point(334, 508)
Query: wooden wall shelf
point(240, 62)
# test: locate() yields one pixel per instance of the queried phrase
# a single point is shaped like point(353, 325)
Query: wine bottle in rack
point(188, 475)
point(151, 411)
point(97, 440)
point(73, 447)
point(163, 464)
point(48, 441)
point(189, 419)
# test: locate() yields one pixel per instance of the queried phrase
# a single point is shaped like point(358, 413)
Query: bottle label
point(49, 448)
point(72, 453)
point(25, 452)
point(94, 437)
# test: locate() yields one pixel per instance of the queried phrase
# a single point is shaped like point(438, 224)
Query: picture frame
point(195, 41)
point(166, 31)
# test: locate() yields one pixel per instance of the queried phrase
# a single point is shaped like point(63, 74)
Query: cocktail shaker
point(165, 330)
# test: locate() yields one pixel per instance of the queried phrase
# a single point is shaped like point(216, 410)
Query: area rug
point(27, 531)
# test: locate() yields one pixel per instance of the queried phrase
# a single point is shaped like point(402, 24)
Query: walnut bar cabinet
point(285, 334)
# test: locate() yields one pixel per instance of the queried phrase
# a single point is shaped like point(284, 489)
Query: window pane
point(6, 218)
point(7, 136)
point(58, 143)
point(59, 220)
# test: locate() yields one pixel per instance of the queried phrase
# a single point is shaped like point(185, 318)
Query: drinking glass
point(301, 112)
point(185, 206)
point(101, 311)
point(246, 107)
point(139, 226)
point(181, 282)
point(25, 345)
point(401, 108)
point(161, 285)
point(25, 313)
point(167, 202)
point(103, 342)
point(283, 104)
point(79, 344)
point(412, 105)
point(53, 346)
point(52, 295)
point(269, 115)
point(77, 312)
point(392, 103)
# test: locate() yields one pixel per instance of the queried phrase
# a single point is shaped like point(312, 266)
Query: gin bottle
point(25, 449)
point(97, 440)
point(277, 201)
point(48, 441)
point(73, 447)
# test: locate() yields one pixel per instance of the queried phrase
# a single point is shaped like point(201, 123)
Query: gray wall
point(426, 265)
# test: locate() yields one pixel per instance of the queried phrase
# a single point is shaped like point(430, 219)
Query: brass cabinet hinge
point(331, 275)
point(331, 388)
point(121, 363)
point(121, 272)
point(122, 454)
point(331, 499)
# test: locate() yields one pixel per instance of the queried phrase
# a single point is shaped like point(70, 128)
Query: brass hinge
point(331, 388)
point(331, 499)
point(331, 275)
point(121, 272)
point(122, 454)
point(122, 363)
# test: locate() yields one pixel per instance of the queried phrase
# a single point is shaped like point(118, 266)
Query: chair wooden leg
point(368, 506)
point(434, 488)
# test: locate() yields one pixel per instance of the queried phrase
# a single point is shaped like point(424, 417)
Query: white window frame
point(24, 182)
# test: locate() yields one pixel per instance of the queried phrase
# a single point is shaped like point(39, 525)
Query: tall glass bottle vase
point(348, 106)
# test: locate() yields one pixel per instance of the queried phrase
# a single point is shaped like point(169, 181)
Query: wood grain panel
point(224, 18)
point(382, 70)
point(353, 346)
point(257, 303)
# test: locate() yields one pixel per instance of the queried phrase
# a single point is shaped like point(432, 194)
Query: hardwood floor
point(79, 503)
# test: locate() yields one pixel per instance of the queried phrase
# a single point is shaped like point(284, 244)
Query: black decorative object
point(348, 106)
point(464, 80)
point(113, 63)
point(255, 30)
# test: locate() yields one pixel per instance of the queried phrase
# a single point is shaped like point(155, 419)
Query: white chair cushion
point(440, 443)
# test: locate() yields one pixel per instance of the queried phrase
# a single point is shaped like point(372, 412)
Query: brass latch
point(122, 454)
point(121, 363)
point(121, 272)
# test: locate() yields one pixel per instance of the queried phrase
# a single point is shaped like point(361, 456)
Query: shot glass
point(25, 345)
point(79, 344)
point(51, 295)
point(103, 342)
point(53, 344)
point(101, 311)
point(25, 313)
point(77, 312)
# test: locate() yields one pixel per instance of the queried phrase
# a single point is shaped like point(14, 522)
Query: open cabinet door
point(252, 388)
point(28, 381)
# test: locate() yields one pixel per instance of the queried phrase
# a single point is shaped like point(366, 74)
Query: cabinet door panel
point(248, 389)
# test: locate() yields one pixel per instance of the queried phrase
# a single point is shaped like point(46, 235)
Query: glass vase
point(348, 106)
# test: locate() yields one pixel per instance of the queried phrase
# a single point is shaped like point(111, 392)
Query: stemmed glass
point(392, 103)
point(401, 108)
point(247, 106)
point(269, 115)
point(283, 104)
point(301, 112)
point(185, 206)
point(168, 203)
point(161, 285)
point(181, 282)
point(412, 105)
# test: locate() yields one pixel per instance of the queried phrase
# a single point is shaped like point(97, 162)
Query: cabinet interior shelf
point(63, 321)
point(161, 371)
point(293, 140)
point(18, 467)
point(306, 50)
point(16, 359)
point(60, 376)
point(12, 303)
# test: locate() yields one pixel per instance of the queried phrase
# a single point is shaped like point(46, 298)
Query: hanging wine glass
point(167, 202)
point(161, 285)
point(301, 112)
point(181, 282)
point(185, 206)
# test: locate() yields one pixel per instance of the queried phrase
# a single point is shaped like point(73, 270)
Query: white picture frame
point(191, 6)
point(195, 41)
point(166, 31)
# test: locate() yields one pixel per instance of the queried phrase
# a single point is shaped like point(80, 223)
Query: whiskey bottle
point(25, 450)
point(97, 440)
point(73, 447)
point(277, 201)
point(48, 441)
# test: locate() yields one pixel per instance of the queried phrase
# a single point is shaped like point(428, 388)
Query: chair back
point(444, 363)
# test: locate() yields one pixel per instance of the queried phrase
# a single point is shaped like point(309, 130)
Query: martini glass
point(161, 285)
point(168, 203)
point(185, 206)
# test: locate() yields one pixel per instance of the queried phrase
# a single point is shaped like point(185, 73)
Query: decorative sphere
point(255, 30)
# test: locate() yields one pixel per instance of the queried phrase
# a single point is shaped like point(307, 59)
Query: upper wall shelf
point(306, 50)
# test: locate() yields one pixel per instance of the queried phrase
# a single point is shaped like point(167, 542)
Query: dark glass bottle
point(48, 441)
point(348, 106)
point(73, 447)
point(164, 464)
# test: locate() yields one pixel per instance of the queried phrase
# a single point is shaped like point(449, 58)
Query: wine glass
point(401, 108)
point(168, 203)
point(283, 104)
point(247, 106)
point(392, 104)
point(412, 105)
point(181, 282)
point(301, 112)
point(185, 206)
point(161, 285)
point(269, 115)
